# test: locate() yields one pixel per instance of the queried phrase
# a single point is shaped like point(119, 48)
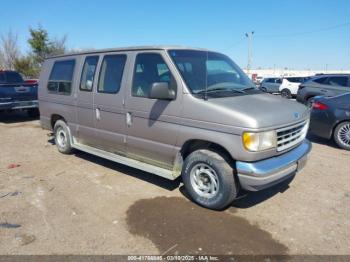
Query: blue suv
point(17, 94)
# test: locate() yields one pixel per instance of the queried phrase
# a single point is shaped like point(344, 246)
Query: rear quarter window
point(338, 81)
point(61, 76)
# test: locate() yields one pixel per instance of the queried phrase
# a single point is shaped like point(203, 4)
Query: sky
point(294, 34)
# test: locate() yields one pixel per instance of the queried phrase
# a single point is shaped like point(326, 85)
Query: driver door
point(151, 123)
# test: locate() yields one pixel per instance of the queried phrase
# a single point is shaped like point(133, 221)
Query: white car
point(290, 86)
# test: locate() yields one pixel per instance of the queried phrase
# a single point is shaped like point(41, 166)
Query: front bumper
point(254, 176)
point(14, 105)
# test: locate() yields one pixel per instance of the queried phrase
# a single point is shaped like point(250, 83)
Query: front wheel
point(342, 135)
point(209, 179)
point(286, 93)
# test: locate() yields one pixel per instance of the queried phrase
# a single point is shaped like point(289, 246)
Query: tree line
point(40, 47)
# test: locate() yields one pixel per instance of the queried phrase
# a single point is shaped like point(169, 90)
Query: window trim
point(72, 80)
point(121, 79)
point(134, 70)
point(82, 70)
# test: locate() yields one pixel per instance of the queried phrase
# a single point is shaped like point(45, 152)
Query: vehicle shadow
point(129, 171)
point(322, 141)
point(15, 117)
point(250, 199)
point(126, 170)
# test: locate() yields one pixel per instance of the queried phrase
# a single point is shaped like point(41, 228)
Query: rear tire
point(309, 101)
point(62, 137)
point(263, 89)
point(341, 135)
point(285, 93)
point(209, 180)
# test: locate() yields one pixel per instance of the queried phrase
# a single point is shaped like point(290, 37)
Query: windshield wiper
point(218, 89)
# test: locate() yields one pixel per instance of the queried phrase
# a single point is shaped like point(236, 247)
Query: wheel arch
point(192, 145)
point(54, 118)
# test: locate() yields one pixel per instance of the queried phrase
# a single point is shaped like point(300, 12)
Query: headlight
point(259, 141)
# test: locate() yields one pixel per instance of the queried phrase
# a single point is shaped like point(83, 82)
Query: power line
point(306, 32)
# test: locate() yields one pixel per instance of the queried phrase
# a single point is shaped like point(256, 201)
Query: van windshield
point(210, 72)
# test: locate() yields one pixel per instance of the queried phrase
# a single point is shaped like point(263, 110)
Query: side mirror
point(161, 90)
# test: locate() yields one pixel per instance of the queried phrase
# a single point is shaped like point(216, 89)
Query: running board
point(125, 161)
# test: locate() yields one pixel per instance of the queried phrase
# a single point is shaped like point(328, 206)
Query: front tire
point(209, 180)
point(342, 135)
point(62, 137)
point(285, 93)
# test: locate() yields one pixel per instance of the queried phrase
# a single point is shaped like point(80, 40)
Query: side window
point(88, 74)
point(61, 76)
point(338, 81)
point(320, 80)
point(111, 74)
point(149, 69)
point(278, 81)
point(2, 77)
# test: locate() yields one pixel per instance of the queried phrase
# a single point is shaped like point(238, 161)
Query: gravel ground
point(52, 203)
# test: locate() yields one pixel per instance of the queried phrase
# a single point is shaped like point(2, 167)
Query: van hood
point(256, 111)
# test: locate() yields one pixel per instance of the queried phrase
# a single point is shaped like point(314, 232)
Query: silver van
point(175, 111)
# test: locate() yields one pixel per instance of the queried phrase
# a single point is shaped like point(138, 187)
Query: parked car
point(328, 85)
point(174, 112)
point(258, 80)
point(290, 86)
point(16, 94)
point(271, 84)
point(330, 119)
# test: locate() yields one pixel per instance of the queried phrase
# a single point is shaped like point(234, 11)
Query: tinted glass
point(13, 77)
point(337, 81)
point(209, 71)
point(149, 69)
point(320, 80)
point(88, 74)
point(111, 73)
point(61, 76)
point(294, 79)
point(2, 77)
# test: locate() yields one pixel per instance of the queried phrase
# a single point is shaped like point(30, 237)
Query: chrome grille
point(290, 136)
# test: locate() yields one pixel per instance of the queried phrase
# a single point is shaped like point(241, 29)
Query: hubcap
point(344, 134)
point(61, 137)
point(204, 180)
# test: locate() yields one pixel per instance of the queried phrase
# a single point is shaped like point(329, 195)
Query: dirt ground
point(52, 203)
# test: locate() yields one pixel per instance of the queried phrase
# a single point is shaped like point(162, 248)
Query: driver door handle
point(98, 114)
point(128, 119)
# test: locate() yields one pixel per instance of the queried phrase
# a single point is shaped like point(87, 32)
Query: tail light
point(319, 106)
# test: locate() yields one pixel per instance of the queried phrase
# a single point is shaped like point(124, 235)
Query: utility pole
point(249, 36)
